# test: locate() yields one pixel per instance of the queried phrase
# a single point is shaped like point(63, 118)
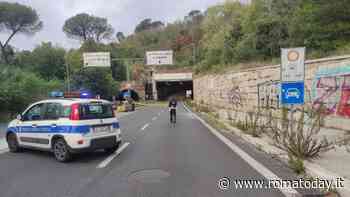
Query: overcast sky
point(123, 15)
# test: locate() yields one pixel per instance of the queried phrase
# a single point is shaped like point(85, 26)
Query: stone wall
point(326, 81)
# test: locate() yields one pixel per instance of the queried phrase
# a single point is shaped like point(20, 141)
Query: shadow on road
point(91, 157)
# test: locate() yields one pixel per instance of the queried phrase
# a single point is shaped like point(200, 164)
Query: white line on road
point(289, 192)
point(3, 146)
point(105, 162)
point(145, 126)
point(154, 118)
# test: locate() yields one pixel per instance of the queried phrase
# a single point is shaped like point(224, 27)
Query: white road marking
point(289, 192)
point(3, 146)
point(154, 118)
point(105, 162)
point(145, 126)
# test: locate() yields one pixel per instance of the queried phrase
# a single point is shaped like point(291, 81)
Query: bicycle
point(172, 111)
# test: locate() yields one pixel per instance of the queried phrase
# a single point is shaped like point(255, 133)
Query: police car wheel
point(13, 143)
point(61, 151)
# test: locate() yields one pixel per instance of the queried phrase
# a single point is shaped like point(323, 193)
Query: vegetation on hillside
point(222, 36)
point(231, 33)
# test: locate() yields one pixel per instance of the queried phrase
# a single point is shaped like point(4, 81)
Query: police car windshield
point(95, 111)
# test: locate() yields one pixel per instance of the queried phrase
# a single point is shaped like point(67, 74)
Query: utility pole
point(127, 61)
point(194, 53)
point(127, 71)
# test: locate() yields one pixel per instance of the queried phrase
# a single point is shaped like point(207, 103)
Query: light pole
point(127, 62)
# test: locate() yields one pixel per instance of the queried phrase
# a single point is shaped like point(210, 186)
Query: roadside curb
point(150, 104)
point(312, 169)
point(316, 170)
point(288, 192)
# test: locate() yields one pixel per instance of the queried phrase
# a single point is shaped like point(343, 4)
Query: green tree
point(20, 88)
point(222, 31)
point(120, 37)
point(74, 59)
point(322, 25)
point(87, 27)
point(148, 24)
point(16, 18)
point(49, 61)
point(97, 80)
point(25, 60)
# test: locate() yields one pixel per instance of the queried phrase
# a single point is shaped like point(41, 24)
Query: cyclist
point(172, 109)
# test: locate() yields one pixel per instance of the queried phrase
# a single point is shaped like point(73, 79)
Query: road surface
point(159, 161)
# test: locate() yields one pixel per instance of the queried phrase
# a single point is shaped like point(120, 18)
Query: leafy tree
point(24, 59)
point(268, 27)
point(194, 17)
point(322, 25)
point(74, 59)
point(87, 27)
point(222, 31)
point(120, 36)
point(49, 61)
point(147, 24)
point(97, 80)
point(45, 60)
point(19, 88)
point(16, 18)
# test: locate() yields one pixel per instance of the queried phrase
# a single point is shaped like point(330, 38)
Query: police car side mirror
point(19, 117)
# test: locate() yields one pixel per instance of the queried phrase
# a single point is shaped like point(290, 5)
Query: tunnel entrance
point(171, 83)
point(167, 89)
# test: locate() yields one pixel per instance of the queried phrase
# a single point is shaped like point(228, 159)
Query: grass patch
point(204, 112)
point(214, 122)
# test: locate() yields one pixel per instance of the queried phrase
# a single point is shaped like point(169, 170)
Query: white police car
point(65, 127)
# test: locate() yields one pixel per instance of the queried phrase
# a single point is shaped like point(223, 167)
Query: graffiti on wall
point(331, 88)
point(234, 96)
point(268, 94)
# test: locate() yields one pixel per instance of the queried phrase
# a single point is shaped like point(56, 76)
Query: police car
point(65, 127)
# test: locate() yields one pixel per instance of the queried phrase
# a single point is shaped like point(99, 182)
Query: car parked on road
point(65, 127)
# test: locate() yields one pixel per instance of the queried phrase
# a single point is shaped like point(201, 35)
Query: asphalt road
point(160, 161)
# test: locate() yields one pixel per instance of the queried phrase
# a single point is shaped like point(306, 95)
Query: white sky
point(123, 15)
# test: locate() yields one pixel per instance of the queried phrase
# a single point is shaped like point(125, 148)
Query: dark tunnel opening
point(174, 88)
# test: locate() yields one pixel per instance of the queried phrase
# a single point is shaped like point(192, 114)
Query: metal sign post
point(293, 76)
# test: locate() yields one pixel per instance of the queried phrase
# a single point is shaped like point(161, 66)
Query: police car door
point(53, 115)
point(32, 124)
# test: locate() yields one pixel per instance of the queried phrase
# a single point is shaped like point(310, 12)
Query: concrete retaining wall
point(326, 81)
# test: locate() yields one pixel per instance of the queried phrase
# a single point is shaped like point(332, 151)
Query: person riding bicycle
point(172, 109)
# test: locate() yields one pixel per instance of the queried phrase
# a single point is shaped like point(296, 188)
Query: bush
point(297, 138)
point(252, 125)
point(296, 164)
point(18, 88)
